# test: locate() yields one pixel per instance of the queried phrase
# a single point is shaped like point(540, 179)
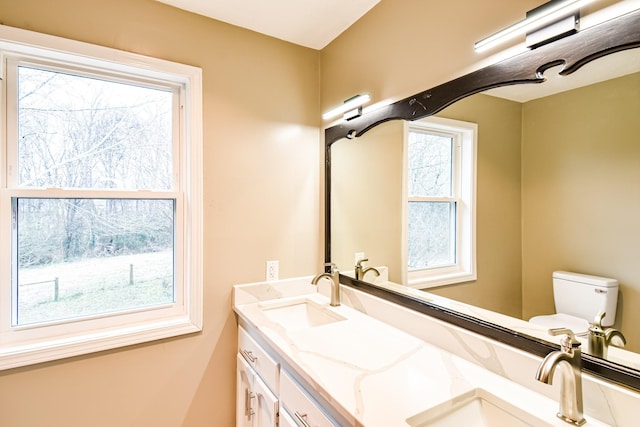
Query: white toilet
point(578, 299)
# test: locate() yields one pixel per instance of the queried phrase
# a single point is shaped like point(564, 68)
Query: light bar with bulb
point(537, 18)
point(348, 105)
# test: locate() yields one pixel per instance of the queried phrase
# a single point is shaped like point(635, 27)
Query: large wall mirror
point(557, 166)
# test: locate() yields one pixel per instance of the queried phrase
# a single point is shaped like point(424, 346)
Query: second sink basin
point(300, 314)
point(477, 408)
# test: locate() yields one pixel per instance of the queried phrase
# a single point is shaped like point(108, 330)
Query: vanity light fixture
point(549, 21)
point(351, 108)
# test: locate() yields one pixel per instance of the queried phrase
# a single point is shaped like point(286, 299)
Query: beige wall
point(581, 169)
point(402, 47)
point(261, 201)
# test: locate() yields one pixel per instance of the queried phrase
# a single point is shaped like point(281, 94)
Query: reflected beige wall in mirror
point(556, 190)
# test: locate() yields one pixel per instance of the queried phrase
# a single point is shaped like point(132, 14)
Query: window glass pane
point(432, 234)
point(82, 132)
point(82, 257)
point(430, 164)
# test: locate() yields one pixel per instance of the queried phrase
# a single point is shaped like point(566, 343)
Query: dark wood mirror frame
point(572, 52)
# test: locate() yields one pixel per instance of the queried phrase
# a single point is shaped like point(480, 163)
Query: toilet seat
point(577, 325)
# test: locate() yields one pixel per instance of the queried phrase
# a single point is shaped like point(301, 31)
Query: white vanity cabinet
point(300, 405)
point(257, 385)
point(267, 396)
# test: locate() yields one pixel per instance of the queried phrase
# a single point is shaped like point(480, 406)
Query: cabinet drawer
point(300, 405)
point(263, 364)
point(286, 420)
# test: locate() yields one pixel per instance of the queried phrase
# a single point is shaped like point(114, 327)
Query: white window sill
point(441, 280)
point(75, 345)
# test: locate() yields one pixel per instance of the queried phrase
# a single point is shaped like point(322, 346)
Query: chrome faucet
point(599, 338)
point(361, 271)
point(570, 359)
point(334, 276)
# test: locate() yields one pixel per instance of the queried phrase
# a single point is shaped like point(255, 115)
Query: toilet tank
point(584, 296)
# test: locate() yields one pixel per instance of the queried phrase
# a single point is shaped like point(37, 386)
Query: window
point(100, 199)
point(439, 181)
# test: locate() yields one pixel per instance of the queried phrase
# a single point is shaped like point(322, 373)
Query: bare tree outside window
point(431, 219)
point(82, 132)
point(79, 256)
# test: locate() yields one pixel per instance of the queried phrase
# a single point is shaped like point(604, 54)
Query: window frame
point(464, 195)
point(40, 342)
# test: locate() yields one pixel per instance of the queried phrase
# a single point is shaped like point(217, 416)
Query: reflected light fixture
point(351, 108)
point(558, 16)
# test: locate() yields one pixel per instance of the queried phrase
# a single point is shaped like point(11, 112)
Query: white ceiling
point(310, 23)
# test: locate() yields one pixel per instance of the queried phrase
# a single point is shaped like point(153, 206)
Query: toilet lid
point(577, 325)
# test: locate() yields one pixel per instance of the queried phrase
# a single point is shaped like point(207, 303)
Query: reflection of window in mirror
point(439, 202)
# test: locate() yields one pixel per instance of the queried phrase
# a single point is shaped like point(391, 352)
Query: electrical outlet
point(272, 270)
point(358, 257)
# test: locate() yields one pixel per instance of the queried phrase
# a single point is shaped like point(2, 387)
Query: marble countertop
point(372, 373)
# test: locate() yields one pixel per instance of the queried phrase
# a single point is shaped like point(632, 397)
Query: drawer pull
point(249, 356)
point(302, 418)
point(248, 410)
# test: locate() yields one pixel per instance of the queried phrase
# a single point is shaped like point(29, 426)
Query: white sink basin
point(477, 408)
point(299, 315)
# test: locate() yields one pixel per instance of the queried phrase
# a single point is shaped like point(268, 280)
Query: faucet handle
point(569, 341)
point(598, 319)
point(360, 261)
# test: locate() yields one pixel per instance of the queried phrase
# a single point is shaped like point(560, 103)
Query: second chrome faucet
point(600, 338)
point(360, 270)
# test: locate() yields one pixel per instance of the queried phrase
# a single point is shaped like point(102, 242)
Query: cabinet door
point(256, 405)
point(265, 405)
point(244, 393)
